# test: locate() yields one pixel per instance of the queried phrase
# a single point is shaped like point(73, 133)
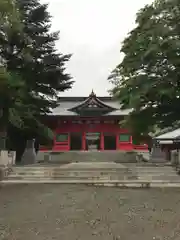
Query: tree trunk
point(3, 137)
point(4, 113)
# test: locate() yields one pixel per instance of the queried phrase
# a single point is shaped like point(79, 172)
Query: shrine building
point(89, 123)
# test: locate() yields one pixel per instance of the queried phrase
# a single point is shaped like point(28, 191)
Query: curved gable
point(92, 104)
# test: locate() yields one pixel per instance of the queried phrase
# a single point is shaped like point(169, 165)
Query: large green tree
point(11, 85)
point(32, 56)
point(149, 74)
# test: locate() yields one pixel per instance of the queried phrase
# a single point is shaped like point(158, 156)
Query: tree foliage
point(32, 70)
point(10, 82)
point(149, 75)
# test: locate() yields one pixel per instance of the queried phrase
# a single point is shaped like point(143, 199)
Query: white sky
point(92, 30)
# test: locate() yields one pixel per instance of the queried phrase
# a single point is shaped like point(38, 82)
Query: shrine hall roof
point(70, 106)
point(169, 135)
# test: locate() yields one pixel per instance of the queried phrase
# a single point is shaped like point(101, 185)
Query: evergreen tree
point(11, 85)
point(31, 54)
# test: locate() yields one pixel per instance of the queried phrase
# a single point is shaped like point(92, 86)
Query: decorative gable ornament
point(92, 104)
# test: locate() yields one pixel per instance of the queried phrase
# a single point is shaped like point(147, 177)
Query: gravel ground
point(78, 212)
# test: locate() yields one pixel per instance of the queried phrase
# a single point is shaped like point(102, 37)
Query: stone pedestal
point(29, 155)
point(7, 158)
point(175, 160)
point(157, 155)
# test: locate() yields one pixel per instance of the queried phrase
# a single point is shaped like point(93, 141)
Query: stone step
point(153, 168)
point(106, 183)
point(71, 173)
point(68, 175)
point(72, 176)
point(90, 179)
point(75, 178)
point(87, 170)
point(138, 165)
point(159, 177)
point(95, 173)
point(68, 168)
point(157, 174)
point(87, 173)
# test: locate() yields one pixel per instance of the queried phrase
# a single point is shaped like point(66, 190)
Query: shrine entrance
point(93, 141)
point(109, 141)
point(76, 141)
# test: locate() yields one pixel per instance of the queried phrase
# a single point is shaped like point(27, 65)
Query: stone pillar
point(29, 155)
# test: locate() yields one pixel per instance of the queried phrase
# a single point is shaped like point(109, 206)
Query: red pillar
point(54, 139)
point(117, 142)
point(84, 141)
point(102, 141)
point(69, 141)
point(131, 141)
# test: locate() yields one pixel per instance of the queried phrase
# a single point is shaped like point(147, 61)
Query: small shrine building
point(90, 123)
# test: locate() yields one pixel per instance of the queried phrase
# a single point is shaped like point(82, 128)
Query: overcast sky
point(93, 31)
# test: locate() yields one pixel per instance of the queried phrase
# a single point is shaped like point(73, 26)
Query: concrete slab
point(99, 165)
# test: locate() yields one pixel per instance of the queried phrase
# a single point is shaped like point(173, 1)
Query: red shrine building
point(90, 123)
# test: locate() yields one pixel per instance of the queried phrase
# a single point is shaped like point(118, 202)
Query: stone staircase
point(105, 173)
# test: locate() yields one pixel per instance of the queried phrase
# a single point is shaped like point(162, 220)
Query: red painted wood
point(117, 141)
point(84, 141)
point(125, 146)
point(141, 147)
point(102, 141)
point(99, 127)
point(61, 147)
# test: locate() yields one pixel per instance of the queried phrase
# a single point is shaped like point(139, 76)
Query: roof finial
point(92, 93)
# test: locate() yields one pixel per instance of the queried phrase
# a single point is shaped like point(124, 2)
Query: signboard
point(92, 136)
